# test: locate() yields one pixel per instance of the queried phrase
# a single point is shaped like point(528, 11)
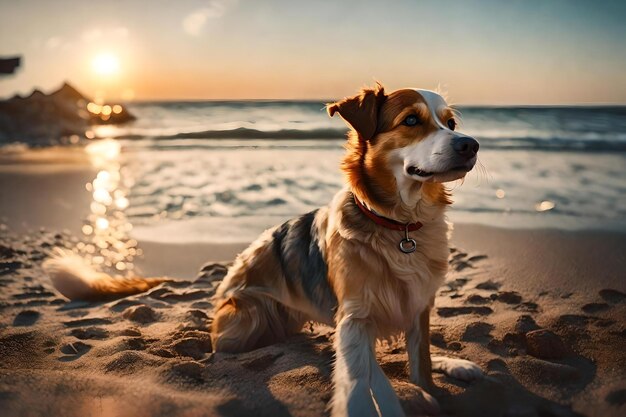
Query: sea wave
point(247, 133)
point(303, 138)
point(553, 144)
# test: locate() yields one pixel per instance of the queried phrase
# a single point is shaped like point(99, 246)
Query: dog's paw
point(417, 401)
point(428, 403)
point(457, 368)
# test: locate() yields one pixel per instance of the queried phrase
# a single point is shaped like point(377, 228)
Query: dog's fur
point(336, 266)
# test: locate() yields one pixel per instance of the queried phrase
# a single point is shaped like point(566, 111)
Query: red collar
point(385, 222)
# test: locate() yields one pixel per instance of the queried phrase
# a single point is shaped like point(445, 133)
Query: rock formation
point(41, 119)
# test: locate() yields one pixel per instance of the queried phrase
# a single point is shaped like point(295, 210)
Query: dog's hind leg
point(245, 321)
point(236, 326)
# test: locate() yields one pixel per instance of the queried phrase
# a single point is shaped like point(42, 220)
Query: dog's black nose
point(466, 146)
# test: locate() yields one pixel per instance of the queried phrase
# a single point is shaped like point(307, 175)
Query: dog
point(368, 264)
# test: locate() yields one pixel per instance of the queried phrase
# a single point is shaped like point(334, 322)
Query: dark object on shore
point(41, 119)
point(9, 65)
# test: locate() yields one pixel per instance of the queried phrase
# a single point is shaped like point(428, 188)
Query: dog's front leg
point(357, 375)
point(420, 367)
point(418, 348)
point(421, 364)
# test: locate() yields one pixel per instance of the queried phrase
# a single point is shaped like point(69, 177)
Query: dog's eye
point(451, 124)
point(411, 120)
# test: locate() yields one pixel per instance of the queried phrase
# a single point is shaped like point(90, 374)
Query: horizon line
point(311, 100)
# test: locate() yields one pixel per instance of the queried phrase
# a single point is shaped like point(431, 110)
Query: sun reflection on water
point(107, 228)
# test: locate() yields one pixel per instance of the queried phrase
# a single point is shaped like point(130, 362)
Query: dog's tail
point(73, 277)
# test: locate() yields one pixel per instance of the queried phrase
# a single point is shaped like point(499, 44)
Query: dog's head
point(405, 139)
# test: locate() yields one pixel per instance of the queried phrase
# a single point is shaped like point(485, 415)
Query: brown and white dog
point(369, 263)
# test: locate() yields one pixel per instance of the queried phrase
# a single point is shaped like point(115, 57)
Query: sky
point(478, 52)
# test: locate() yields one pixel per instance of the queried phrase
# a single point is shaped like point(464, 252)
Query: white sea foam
point(232, 194)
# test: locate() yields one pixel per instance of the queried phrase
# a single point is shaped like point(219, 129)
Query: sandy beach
point(155, 141)
point(542, 311)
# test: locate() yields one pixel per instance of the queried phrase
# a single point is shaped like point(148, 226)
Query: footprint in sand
point(73, 351)
point(545, 372)
point(90, 333)
point(455, 346)
point(612, 296)
point(617, 398)
point(509, 297)
point(75, 305)
point(458, 311)
point(577, 320)
point(131, 331)
point(186, 296)
point(87, 322)
point(158, 293)
point(141, 314)
point(573, 320)
point(128, 362)
point(497, 365)
point(459, 261)
point(262, 362)
point(197, 314)
point(477, 258)
point(26, 318)
point(620, 333)
point(190, 371)
point(197, 319)
point(161, 352)
point(203, 305)
point(478, 299)
point(132, 343)
point(452, 287)
point(477, 331)
point(34, 293)
point(210, 274)
point(438, 339)
point(194, 344)
point(527, 306)
point(8, 267)
point(592, 308)
point(7, 251)
point(525, 324)
point(489, 286)
point(177, 284)
point(124, 304)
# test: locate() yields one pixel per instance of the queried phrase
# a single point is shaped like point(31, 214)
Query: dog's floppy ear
point(361, 111)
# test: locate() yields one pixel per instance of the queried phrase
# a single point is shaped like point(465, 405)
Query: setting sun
point(106, 64)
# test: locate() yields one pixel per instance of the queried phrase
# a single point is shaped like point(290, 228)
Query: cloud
point(97, 34)
point(54, 42)
point(195, 21)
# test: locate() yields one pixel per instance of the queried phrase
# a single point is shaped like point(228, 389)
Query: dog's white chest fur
point(408, 287)
point(381, 283)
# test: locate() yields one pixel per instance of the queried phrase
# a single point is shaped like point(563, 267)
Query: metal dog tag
point(408, 245)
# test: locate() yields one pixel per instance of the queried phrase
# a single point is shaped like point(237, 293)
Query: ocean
point(223, 171)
